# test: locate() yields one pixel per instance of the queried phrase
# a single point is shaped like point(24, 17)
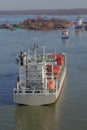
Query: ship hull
point(65, 37)
point(36, 99)
point(79, 27)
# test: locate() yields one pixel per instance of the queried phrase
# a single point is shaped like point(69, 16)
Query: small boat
point(79, 23)
point(65, 34)
point(40, 79)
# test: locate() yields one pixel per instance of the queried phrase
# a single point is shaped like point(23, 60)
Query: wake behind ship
point(40, 79)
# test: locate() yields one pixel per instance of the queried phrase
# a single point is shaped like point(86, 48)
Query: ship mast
point(34, 48)
point(44, 52)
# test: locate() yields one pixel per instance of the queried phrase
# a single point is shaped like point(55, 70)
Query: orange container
point(56, 69)
point(60, 59)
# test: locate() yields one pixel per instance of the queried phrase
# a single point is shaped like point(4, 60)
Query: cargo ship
point(40, 78)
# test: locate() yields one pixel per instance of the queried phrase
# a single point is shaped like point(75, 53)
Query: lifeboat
point(51, 84)
point(56, 71)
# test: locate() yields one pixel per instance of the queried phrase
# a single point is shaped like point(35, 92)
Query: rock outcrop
point(45, 24)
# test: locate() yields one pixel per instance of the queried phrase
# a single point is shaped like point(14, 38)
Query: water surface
point(70, 111)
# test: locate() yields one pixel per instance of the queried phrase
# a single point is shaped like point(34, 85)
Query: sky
point(41, 4)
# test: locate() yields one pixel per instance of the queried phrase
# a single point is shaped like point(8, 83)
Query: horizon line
point(43, 9)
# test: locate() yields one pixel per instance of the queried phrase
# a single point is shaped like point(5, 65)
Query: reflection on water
point(37, 118)
point(47, 117)
point(65, 42)
point(79, 32)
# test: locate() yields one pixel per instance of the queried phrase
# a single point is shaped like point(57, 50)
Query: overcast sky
point(41, 4)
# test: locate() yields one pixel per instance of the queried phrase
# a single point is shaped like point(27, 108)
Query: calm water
point(70, 111)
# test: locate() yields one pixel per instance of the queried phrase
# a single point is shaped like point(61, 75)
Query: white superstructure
point(40, 78)
point(79, 23)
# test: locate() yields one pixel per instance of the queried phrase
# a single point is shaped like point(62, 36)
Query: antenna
point(29, 56)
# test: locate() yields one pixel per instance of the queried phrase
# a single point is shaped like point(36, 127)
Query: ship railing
point(28, 91)
point(40, 59)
